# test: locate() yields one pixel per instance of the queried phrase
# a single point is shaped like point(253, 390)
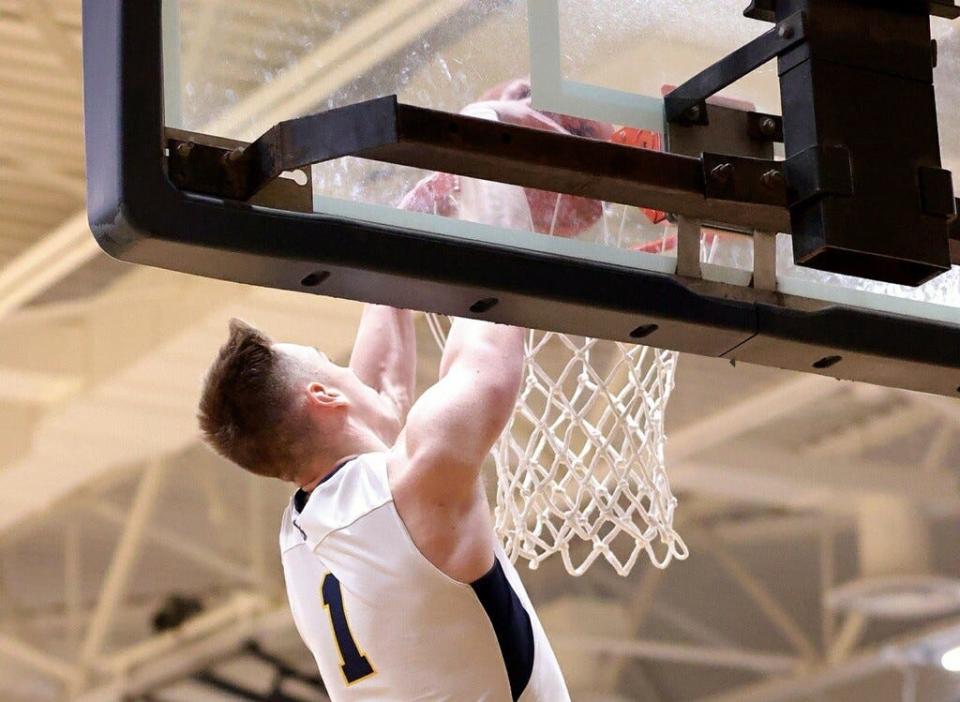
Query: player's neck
point(353, 444)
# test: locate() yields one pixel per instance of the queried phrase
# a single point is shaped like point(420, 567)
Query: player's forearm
point(385, 353)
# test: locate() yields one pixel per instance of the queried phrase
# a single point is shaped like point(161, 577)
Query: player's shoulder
point(408, 466)
point(356, 488)
point(429, 464)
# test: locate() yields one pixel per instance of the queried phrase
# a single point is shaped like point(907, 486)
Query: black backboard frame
point(139, 216)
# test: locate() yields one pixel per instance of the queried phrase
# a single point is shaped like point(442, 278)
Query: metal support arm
point(724, 190)
point(688, 102)
point(386, 130)
point(955, 227)
point(766, 9)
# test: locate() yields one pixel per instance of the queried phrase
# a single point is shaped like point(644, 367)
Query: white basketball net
point(582, 459)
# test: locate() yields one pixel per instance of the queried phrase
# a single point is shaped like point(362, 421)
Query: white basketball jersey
point(385, 624)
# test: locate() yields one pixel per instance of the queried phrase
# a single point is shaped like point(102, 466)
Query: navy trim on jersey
point(300, 502)
point(511, 623)
point(301, 497)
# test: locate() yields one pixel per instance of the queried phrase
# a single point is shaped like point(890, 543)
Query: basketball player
point(394, 576)
point(546, 212)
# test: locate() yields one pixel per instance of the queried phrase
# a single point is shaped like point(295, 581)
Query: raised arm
point(385, 355)
point(435, 465)
point(452, 427)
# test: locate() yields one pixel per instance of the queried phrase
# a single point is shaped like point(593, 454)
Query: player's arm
point(454, 424)
point(385, 354)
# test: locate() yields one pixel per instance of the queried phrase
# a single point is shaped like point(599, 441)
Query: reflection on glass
point(243, 66)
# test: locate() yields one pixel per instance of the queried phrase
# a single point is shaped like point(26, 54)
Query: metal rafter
point(198, 555)
point(121, 566)
point(808, 684)
point(700, 656)
point(175, 655)
point(752, 412)
point(882, 429)
point(757, 591)
point(43, 175)
point(36, 659)
point(777, 477)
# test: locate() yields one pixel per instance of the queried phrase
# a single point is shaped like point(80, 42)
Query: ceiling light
point(951, 660)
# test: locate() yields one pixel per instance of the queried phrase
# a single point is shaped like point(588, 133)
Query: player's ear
point(325, 396)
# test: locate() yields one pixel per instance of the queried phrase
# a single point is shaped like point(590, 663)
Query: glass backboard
point(592, 68)
point(235, 69)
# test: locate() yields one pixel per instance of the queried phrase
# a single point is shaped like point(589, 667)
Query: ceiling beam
point(811, 683)
point(747, 414)
point(27, 183)
point(36, 388)
point(46, 77)
point(881, 429)
point(757, 591)
point(201, 556)
point(125, 557)
point(62, 43)
point(690, 626)
point(200, 642)
point(66, 248)
point(685, 654)
point(130, 390)
point(21, 216)
point(38, 174)
point(36, 659)
point(73, 583)
point(60, 125)
point(846, 640)
point(49, 148)
point(764, 475)
point(20, 94)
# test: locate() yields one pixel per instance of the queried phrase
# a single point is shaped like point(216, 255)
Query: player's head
point(520, 89)
point(283, 410)
point(563, 215)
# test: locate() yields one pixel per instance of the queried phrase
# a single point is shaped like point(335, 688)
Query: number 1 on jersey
point(355, 665)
